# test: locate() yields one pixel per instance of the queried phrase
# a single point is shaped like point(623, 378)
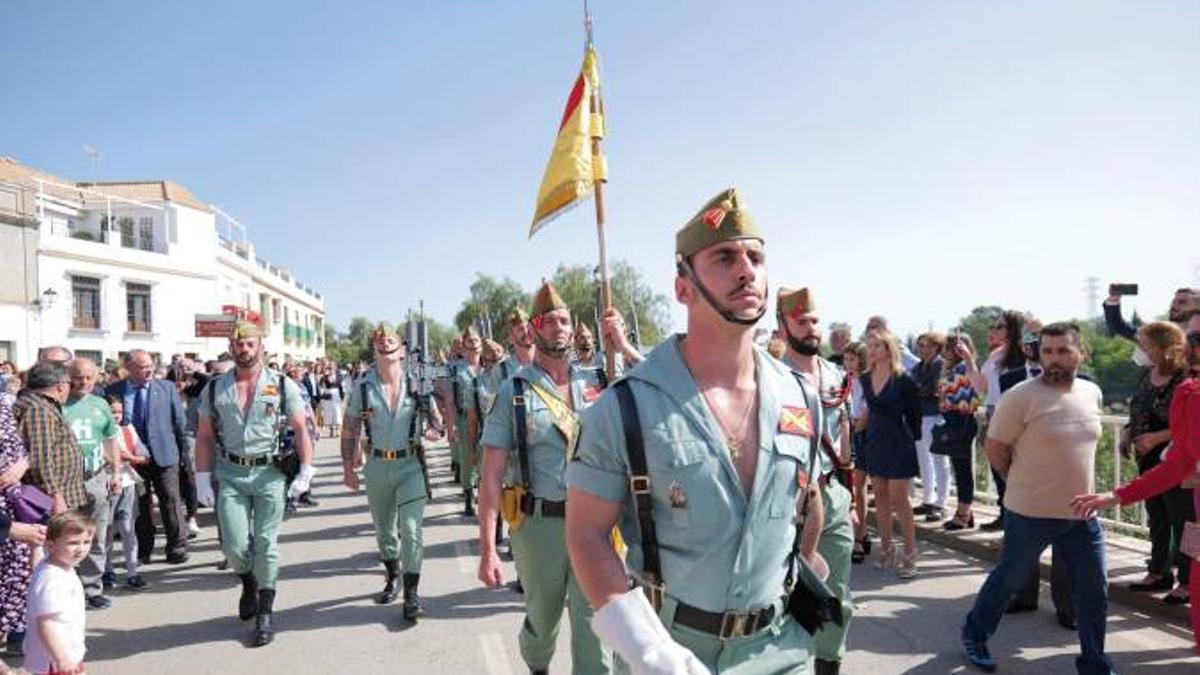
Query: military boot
point(412, 601)
point(468, 502)
point(264, 633)
point(826, 667)
point(390, 589)
point(248, 603)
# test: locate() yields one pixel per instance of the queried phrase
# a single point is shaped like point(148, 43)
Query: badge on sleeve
point(270, 390)
point(795, 421)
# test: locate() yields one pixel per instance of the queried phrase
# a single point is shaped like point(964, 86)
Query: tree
point(1110, 363)
point(578, 286)
point(976, 325)
point(491, 299)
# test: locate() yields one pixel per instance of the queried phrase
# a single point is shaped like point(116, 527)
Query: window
point(95, 356)
point(276, 310)
point(126, 225)
point(8, 350)
point(137, 305)
point(85, 295)
point(146, 233)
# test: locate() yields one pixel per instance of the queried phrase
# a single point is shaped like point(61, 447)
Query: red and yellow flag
point(795, 420)
point(573, 169)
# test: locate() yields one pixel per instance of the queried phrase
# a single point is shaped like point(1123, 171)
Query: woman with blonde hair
point(893, 427)
point(1162, 350)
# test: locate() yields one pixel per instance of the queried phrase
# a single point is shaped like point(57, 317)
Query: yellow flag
point(573, 169)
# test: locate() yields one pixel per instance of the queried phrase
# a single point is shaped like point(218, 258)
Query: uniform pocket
point(684, 491)
point(787, 463)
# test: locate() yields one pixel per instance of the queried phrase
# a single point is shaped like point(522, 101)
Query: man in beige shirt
point(1042, 439)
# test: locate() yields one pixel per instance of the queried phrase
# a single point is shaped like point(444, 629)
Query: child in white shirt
point(54, 644)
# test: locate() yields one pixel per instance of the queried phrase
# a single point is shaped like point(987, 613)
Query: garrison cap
point(517, 315)
point(469, 331)
point(723, 218)
point(383, 330)
point(793, 303)
point(582, 330)
point(547, 300)
point(244, 330)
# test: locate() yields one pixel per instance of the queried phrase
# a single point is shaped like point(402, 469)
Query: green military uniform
point(721, 550)
point(250, 495)
point(538, 545)
point(836, 543)
point(395, 482)
point(466, 447)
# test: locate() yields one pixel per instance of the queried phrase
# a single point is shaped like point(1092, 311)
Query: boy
point(54, 645)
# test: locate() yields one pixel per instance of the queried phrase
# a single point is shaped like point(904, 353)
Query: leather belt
point(553, 509)
point(261, 460)
point(724, 625)
point(389, 454)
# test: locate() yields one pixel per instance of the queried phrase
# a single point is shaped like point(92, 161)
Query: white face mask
point(1140, 358)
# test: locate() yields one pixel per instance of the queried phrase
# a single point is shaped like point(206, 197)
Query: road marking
point(495, 656)
point(466, 559)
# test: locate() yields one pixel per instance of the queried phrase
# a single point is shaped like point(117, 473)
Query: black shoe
point(825, 667)
point(223, 564)
point(517, 587)
point(993, 526)
point(176, 558)
point(934, 514)
point(1153, 583)
point(248, 602)
point(468, 503)
point(539, 671)
point(412, 600)
point(306, 499)
point(135, 583)
point(959, 523)
point(1173, 599)
point(143, 559)
point(454, 472)
point(1015, 607)
point(289, 507)
point(264, 632)
point(1067, 622)
point(98, 602)
point(923, 509)
point(14, 643)
point(108, 580)
point(390, 589)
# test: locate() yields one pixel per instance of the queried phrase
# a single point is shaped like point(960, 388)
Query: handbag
point(29, 504)
point(1189, 543)
point(954, 436)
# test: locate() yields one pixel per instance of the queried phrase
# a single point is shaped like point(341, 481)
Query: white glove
point(630, 626)
point(204, 491)
point(302, 481)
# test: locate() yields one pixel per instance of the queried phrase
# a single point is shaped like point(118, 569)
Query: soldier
point(448, 397)
point(800, 331)
point(467, 420)
point(382, 407)
point(490, 374)
point(586, 355)
point(530, 435)
point(701, 454)
point(243, 414)
point(520, 338)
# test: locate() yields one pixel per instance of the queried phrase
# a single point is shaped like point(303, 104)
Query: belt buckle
point(518, 400)
point(640, 485)
point(736, 624)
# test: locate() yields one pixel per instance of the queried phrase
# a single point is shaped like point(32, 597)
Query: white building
point(129, 265)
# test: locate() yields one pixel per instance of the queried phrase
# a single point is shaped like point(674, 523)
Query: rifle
point(421, 375)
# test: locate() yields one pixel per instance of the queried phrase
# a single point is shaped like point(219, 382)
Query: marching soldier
point(530, 436)
point(448, 400)
point(520, 338)
point(467, 420)
point(243, 414)
point(799, 327)
point(701, 454)
point(382, 408)
point(491, 374)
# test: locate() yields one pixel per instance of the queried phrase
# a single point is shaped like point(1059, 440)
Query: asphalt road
point(184, 623)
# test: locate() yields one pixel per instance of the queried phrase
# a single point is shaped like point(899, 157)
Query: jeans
point(1081, 543)
point(1060, 587)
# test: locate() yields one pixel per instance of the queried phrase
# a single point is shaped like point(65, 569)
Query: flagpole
point(610, 356)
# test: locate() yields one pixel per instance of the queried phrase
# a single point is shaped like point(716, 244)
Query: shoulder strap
point(216, 416)
point(365, 410)
point(809, 400)
point(413, 438)
point(639, 485)
point(504, 370)
point(519, 414)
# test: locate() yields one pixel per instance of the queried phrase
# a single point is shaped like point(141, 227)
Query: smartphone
point(1122, 289)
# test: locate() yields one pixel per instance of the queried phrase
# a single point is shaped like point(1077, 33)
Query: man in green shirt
point(96, 432)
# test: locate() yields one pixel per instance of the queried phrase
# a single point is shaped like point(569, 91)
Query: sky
point(911, 159)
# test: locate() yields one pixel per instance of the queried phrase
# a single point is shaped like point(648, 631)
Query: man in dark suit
point(155, 410)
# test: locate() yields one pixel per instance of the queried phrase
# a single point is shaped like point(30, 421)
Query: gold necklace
point(733, 441)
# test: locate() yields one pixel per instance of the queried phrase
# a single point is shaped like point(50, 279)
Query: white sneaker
point(193, 528)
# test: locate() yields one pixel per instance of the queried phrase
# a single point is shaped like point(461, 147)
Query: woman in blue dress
point(893, 426)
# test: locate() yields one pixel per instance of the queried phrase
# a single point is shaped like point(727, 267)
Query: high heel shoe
point(887, 557)
point(960, 523)
point(908, 563)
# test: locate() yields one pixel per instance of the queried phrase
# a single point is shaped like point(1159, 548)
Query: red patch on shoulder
point(795, 421)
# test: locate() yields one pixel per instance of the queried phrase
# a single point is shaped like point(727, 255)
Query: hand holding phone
point(1122, 289)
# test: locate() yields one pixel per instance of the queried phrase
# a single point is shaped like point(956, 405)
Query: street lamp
point(46, 300)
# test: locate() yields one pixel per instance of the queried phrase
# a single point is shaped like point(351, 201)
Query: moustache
point(746, 287)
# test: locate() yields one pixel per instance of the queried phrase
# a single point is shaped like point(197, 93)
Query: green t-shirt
point(92, 421)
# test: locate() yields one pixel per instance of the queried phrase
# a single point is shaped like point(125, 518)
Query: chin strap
point(685, 268)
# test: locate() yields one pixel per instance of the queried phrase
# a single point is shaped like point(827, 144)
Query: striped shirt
point(55, 462)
